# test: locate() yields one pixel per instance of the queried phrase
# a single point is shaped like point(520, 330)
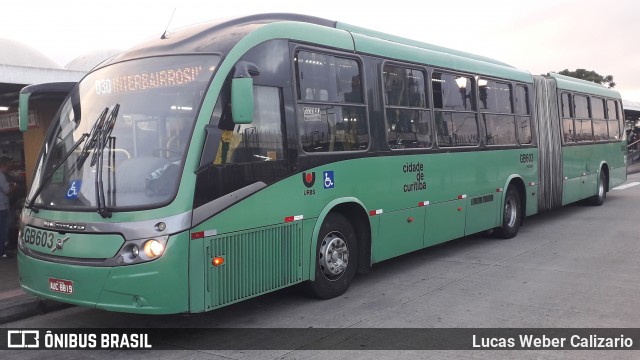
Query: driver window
point(256, 142)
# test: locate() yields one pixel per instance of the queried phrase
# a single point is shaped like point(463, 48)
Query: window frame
point(511, 114)
point(582, 119)
point(427, 97)
point(295, 49)
point(594, 99)
point(590, 99)
point(527, 87)
point(619, 118)
point(475, 111)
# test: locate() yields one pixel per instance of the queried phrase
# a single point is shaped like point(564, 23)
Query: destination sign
point(148, 80)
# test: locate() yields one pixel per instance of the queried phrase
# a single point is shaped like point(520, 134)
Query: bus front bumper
point(155, 287)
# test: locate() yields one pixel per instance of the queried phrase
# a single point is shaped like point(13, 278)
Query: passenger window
point(328, 78)
point(611, 110)
point(614, 123)
point(524, 130)
point(495, 104)
point(600, 131)
point(522, 100)
point(597, 108)
point(523, 111)
point(581, 106)
point(567, 108)
point(331, 111)
point(404, 87)
point(452, 92)
point(456, 129)
point(501, 129)
point(620, 119)
point(408, 126)
point(494, 96)
point(455, 117)
point(568, 135)
point(583, 130)
point(568, 132)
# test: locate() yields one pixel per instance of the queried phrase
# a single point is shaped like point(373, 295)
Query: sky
point(539, 36)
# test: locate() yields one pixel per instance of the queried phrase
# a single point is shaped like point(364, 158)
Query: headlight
point(141, 250)
point(153, 249)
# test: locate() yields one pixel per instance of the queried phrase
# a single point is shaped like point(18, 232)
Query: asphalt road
point(576, 267)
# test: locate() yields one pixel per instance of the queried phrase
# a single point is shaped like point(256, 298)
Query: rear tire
point(601, 192)
point(336, 258)
point(511, 216)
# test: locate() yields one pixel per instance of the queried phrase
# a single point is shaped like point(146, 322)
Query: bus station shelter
point(631, 113)
point(21, 65)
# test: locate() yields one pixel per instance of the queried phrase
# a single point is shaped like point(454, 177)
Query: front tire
point(336, 258)
point(511, 217)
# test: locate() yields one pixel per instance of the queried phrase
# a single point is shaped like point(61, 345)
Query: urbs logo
point(309, 179)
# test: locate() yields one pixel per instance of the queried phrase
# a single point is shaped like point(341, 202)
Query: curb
point(24, 306)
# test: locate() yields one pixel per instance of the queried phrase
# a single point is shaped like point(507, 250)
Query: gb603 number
point(38, 238)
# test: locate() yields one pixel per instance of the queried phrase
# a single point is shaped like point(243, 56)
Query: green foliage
point(592, 76)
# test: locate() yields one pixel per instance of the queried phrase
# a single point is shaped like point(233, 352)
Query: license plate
point(61, 286)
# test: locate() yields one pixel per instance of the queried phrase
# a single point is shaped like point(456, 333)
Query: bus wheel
point(601, 194)
point(511, 215)
point(336, 257)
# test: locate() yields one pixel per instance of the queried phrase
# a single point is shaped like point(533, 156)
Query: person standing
point(5, 189)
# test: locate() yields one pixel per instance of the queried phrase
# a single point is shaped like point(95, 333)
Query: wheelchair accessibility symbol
point(328, 179)
point(74, 189)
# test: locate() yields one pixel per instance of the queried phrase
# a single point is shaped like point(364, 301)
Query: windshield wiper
point(31, 203)
point(93, 141)
point(97, 159)
point(81, 158)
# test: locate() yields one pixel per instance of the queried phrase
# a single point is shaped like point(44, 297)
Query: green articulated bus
point(234, 158)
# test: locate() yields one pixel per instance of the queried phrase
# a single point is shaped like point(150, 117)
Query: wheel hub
point(334, 256)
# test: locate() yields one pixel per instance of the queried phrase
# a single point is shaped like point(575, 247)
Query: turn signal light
point(217, 261)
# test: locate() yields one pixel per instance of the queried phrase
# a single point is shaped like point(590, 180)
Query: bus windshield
point(121, 136)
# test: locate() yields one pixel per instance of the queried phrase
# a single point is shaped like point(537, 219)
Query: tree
point(590, 76)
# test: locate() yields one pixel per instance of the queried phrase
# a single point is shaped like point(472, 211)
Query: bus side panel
point(574, 163)
point(532, 200)
point(582, 165)
point(400, 232)
point(571, 190)
point(444, 221)
point(481, 212)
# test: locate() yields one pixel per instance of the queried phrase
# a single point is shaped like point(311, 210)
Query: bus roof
point(220, 36)
point(583, 86)
point(216, 36)
point(418, 44)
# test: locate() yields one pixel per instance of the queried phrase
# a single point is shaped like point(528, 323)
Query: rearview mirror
point(242, 100)
point(26, 92)
point(23, 111)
